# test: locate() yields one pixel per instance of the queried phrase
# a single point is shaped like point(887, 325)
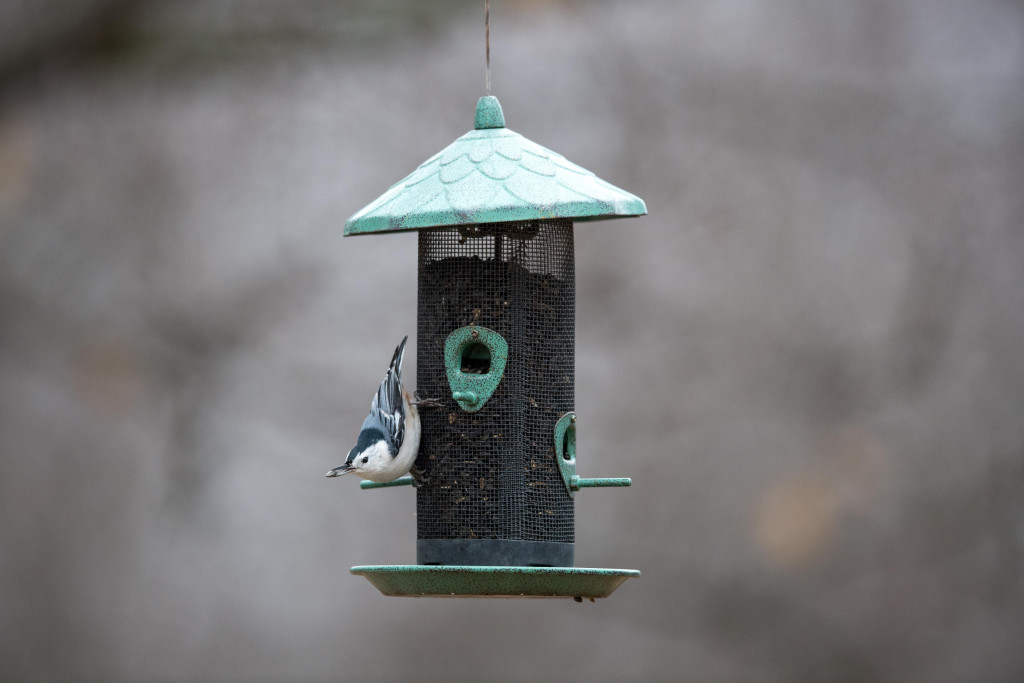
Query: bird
point(390, 436)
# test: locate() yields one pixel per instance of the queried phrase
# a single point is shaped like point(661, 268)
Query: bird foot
point(421, 402)
point(418, 478)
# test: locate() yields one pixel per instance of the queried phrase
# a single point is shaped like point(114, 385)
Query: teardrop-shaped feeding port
point(569, 443)
point(476, 359)
point(565, 450)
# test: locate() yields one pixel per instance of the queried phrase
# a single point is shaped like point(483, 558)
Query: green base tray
point(445, 581)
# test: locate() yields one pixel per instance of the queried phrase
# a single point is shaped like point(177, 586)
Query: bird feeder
point(495, 343)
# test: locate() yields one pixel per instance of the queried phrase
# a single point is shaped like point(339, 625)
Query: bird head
point(370, 455)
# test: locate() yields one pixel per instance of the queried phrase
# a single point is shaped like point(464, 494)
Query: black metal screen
point(492, 474)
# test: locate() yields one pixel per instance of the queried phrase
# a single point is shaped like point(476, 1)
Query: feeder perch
point(495, 342)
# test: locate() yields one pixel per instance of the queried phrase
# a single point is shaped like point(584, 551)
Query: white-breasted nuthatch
point(390, 436)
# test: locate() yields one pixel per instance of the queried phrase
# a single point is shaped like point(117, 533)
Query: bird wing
point(387, 406)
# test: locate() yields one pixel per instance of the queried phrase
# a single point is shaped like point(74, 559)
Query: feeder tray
point(494, 582)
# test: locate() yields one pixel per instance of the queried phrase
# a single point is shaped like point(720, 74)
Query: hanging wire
point(487, 41)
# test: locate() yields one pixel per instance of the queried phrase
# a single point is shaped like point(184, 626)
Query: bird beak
point(338, 471)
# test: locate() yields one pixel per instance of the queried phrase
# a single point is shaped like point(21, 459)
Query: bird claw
point(418, 478)
point(426, 402)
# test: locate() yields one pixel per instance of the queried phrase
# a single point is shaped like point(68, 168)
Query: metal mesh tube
point(492, 474)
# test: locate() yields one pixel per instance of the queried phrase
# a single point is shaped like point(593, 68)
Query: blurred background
point(809, 357)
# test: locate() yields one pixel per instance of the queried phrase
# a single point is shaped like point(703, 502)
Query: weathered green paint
point(401, 481)
point(494, 582)
point(607, 482)
point(489, 113)
point(565, 455)
point(565, 450)
point(471, 390)
point(492, 175)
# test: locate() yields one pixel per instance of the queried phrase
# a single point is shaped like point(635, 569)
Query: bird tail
point(396, 360)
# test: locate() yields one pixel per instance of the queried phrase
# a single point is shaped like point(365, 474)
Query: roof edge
point(631, 207)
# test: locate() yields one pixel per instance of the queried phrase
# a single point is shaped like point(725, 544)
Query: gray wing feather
point(387, 406)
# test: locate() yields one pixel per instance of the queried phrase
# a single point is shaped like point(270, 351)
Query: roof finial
point(488, 113)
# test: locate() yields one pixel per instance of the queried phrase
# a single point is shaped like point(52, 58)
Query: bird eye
point(366, 459)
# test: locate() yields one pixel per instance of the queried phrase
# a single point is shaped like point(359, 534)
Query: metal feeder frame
point(495, 517)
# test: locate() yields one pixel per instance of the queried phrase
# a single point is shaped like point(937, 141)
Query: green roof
point(491, 175)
